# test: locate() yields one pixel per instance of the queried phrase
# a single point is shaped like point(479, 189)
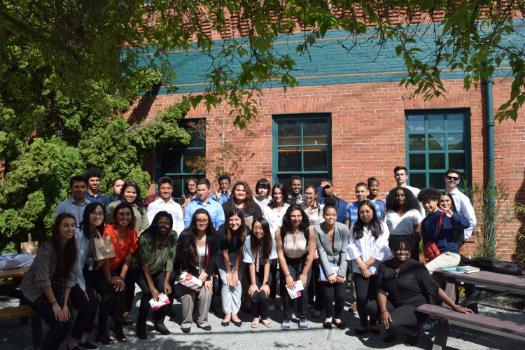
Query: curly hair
point(392, 203)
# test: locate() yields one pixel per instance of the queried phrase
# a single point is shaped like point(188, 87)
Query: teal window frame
point(302, 119)
point(183, 150)
point(447, 113)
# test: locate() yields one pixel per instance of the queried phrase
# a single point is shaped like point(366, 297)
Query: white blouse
point(368, 247)
point(274, 216)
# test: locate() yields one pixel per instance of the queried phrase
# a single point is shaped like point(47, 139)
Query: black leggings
point(112, 302)
point(158, 281)
point(259, 299)
point(365, 291)
point(295, 268)
point(333, 292)
point(87, 310)
point(404, 317)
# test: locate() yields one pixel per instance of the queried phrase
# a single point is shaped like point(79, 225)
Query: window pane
point(178, 186)
point(417, 161)
point(194, 161)
point(436, 123)
point(436, 161)
point(197, 130)
point(289, 133)
point(455, 122)
point(436, 181)
point(416, 124)
point(315, 133)
point(170, 157)
point(417, 180)
point(290, 159)
point(417, 142)
point(455, 141)
point(315, 159)
point(314, 180)
point(456, 161)
point(436, 142)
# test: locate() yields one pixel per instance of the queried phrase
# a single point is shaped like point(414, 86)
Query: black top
point(411, 286)
point(233, 246)
point(254, 210)
point(183, 259)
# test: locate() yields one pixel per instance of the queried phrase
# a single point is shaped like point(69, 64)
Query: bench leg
point(36, 331)
point(440, 342)
point(450, 290)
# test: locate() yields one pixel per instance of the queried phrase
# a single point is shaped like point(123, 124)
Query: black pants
point(259, 299)
point(158, 281)
point(404, 318)
point(112, 303)
point(58, 330)
point(131, 278)
point(273, 277)
point(333, 293)
point(87, 310)
point(315, 289)
point(295, 268)
point(365, 291)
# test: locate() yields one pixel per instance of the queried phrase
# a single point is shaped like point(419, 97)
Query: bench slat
point(481, 321)
point(15, 312)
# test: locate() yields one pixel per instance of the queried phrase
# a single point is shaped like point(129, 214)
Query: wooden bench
point(25, 311)
point(487, 324)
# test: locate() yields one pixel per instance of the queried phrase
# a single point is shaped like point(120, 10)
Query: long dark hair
point(249, 203)
point(90, 208)
point(242, 231)
point(287, 222)
point(138, 200)
point(65, 259)
point(187, 247)
point(374, 226)
point(459, 231)
point(264, 244)
point(411, 201)
point(124, 205)
point(284, 193)
point(154, 227)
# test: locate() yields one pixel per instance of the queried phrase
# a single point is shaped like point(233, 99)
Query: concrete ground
point(14, 336)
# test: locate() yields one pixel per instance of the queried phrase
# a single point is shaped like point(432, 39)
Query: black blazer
point(183, 260)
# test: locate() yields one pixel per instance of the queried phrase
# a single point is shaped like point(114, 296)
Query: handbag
point(29, 246)
point(102, 247)
point(430, 249)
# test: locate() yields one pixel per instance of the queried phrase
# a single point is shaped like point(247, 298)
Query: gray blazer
point(337, 255)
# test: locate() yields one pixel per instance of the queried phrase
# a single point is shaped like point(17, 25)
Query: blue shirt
point(211, 206)
point(352, 210)
point(223, 199)
point(100, 198)
point(446, 237)
point(73, 208)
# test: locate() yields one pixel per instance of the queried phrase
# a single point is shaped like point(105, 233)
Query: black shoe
point(327, 325)
point(340, 324)
point(237, 323)
point(206, 328)
point(185, 330)
point(161, 328)
point(225, 324)
point(88, 345)
point(104, 339)
point(119, 334)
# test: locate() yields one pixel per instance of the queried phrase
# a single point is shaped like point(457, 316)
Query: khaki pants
point(444, 260)
point(188, 303)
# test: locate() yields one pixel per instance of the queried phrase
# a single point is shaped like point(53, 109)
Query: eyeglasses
point(97, 213)
point(326, 187)
point(453, 178)
point(263, 186)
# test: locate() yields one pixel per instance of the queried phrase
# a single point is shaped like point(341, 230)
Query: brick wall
point(368, 136)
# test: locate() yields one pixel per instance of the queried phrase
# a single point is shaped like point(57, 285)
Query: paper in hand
point(296, 292)
point(157, 304)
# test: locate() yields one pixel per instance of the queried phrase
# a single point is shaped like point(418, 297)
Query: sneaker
point(286, 325)
point(303, 323)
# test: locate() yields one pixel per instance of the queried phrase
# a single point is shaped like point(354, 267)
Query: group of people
point(247, 247)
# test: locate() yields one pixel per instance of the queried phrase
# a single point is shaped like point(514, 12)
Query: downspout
point(489, 110)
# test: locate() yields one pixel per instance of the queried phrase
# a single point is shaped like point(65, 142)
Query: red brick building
point(349, 120)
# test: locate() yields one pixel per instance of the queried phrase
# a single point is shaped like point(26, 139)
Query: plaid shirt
point(352, 211)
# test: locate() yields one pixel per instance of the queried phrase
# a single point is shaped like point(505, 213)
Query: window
point(183, 161)
point(436, 141)
point(302, 146)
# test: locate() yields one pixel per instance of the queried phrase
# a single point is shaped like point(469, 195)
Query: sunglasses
point(326, 187)
point(453, 178)
point(263, 186)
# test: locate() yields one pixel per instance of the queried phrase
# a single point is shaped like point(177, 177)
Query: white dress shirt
point(464, 208)
point(171, 207)
point(368, 247)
